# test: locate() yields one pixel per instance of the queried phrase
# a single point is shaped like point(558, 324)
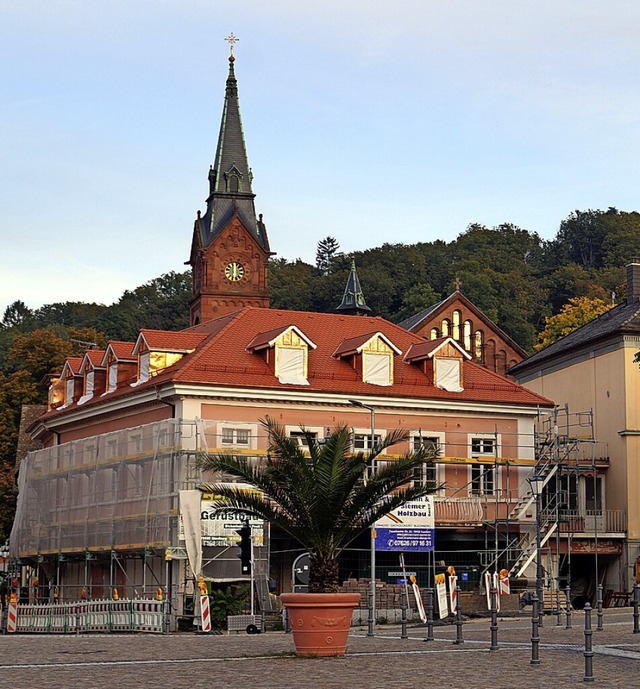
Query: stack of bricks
point(388, 596)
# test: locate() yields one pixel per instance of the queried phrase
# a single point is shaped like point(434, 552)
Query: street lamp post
point(537, 483)
point(372, 594)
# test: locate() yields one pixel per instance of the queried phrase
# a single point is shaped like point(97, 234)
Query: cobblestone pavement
point(266, 660)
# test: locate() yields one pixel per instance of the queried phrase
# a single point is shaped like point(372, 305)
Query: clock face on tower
point(234, 271)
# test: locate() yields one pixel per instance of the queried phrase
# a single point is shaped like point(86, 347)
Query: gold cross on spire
point(231, 39)
point(458, 284)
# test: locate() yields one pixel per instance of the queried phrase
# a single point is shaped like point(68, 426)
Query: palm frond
point(321, 495)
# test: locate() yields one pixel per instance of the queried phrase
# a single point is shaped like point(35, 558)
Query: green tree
point(417, 298)
point(17, 315)
point(327, 251)
point(320, 496)
point(291, 284)
point(161, 304)
point(16, 390)
point(574, 314)
point(596, 238)
point(40, 353)
point(69, 314)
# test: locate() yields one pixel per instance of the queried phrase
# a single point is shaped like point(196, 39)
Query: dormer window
point(112, 376)
point(377, 368)
point(440, 360)
point(291, 349)
point(448, 374)
point(158, 349)
point(56, 393)
point(373, 353)
point(120, 364)
point(291, 365)
point(93, 375)
point(71, 381)
point(88, 387)
point(70, 389)
point(143, 367)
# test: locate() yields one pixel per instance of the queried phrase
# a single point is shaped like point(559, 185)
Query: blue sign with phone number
point(405, 539)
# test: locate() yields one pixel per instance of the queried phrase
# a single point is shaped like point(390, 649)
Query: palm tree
point(323, 494)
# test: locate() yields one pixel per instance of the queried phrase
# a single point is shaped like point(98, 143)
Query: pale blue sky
point(366, 120)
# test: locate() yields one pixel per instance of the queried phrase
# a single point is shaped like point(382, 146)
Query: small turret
point(353, 302)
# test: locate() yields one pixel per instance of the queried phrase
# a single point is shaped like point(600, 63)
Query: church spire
point(353, 302)
point(230, 177)
point(230, 249)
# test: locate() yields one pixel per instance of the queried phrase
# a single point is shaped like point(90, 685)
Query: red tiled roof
point(262, 340)
point(169, 341)
point(122, 351)
point(352, 345)
point(221, 358)
point(73, 363)
point(212, 327)
point(92, 358)
point(224, 360)
point(427, 348)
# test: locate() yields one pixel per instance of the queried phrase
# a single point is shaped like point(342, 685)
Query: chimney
point(633, 281)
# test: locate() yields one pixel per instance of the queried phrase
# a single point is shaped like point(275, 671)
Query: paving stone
point(187, 660)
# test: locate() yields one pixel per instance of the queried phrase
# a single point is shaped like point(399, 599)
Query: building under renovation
point(111, 503)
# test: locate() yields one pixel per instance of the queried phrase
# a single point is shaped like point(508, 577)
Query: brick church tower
point(230, 248)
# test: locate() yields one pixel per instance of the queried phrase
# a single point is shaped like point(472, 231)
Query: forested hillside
point(513, 275)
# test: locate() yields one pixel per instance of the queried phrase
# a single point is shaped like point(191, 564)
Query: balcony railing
point(457, 511)
point(593, 521)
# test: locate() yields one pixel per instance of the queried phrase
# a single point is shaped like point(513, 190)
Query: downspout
point(53, 432)
point(169, 404)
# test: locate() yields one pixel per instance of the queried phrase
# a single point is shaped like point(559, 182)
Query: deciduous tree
point(575, 313)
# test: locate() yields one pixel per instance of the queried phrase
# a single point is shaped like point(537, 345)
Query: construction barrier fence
point(92, 616)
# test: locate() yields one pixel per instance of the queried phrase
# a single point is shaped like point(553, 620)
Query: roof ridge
point(209, 338)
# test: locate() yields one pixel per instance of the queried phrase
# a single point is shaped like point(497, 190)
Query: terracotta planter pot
point(320, 622)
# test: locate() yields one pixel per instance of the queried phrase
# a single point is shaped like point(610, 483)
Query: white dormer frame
point(376, 354)
point(111, 362)
point(69, 378)
point(143, 367)
point(152, 360)
point(70, 388)
point(291, 348)
point(88, 369)
point(447, 366)
point(447, 374)
point(89, 384)
point(112, 376)
point(377, 360)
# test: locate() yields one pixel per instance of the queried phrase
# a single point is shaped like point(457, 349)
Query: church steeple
point(230, 248)
point(353, 302)
point(230, 176)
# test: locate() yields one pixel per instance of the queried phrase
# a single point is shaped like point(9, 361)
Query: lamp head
point(537, 483)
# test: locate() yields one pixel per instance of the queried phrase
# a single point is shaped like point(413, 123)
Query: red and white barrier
point(12, 617)
point(205, 614)
point(453, 593)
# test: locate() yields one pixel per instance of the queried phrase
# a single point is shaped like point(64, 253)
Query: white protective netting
point(117, 490)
